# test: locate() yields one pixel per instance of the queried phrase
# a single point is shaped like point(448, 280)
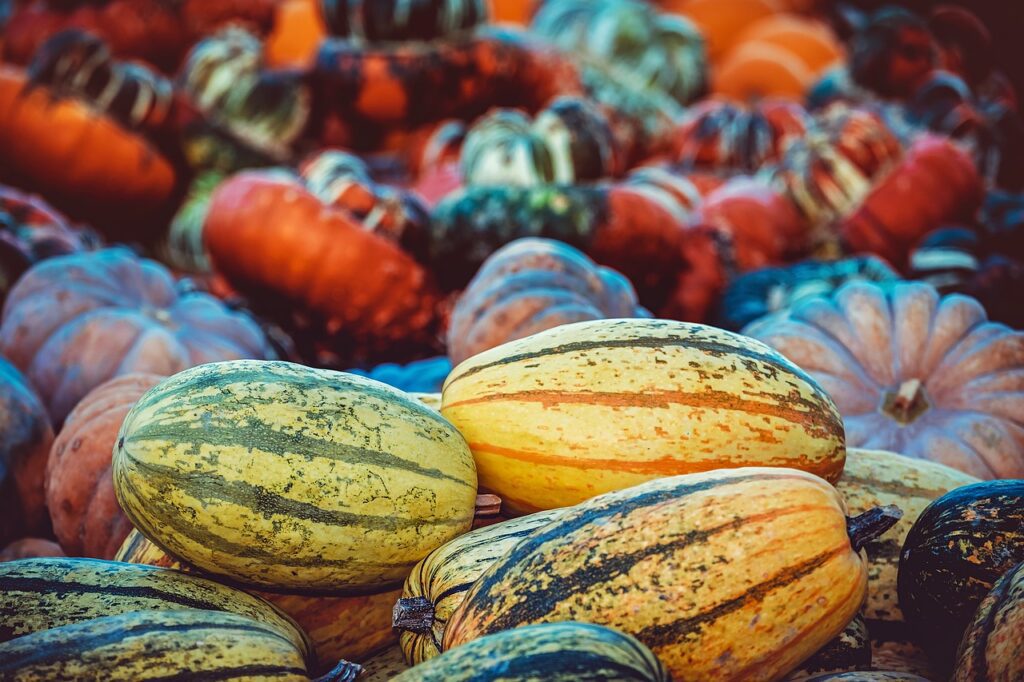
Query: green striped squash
point(552, 652)
point(285, 477)
point(155, 645)
point(993, 645)
point(686, 564)
point(439, 583)
point(44, 593)
point(582, 409)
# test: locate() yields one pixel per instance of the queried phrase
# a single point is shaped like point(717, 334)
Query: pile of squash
point(509, 340)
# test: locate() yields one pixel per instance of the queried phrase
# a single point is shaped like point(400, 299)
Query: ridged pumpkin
point(723, 21)
point(935, 183)
point(756, 70)
point(86, 518)
point(912, 372)
point(330, 483)
point(622, 560)
point(586, 408)
point(993, 645)
point(876, 478)
point(892, 53)
point(73, 322)
point(25, 439)
point(531, 285)
point(959, 547)
point(349, 628)
point(274, 240)
point(560, 652)
point(813, 42)
point(438, 584)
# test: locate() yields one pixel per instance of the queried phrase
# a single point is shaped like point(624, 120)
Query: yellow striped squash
point(552, 652)
point(155, 645)
point(558, 417)
point(438, 584)
point(40, 594)
point(431, 400)
point(847, 651)
point(875, 478)
point(347, 627)
point(290, 478)
point(733, 574)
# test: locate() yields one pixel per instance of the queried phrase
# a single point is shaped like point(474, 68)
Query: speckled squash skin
point(587, 408)
point(849, 650)
point(356, 480)
point(957, 550)
point(993, 646)
point(873, 478)
point(560, 652)
point(385, 666)
point(349, 628)
point(620, 560)
point(44, 593)
point(446, 574)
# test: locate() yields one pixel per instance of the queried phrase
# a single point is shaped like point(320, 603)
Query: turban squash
point(913, 372)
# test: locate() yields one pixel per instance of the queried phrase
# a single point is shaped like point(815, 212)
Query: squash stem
point(343, 672)
point(413, 614)
point(487, 505)
point(865, 527)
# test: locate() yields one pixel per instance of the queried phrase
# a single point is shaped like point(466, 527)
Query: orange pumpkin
point(25, 438)
point(912, 372)
point(722, 21)
point(811, 41)
point(84, 163)
point(756, 70)
point(86, 516)
point(298, 29)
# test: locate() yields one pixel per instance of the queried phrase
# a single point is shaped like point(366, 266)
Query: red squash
point(25, 438)
point(73, 322)
point(86, 516)
point(935, 184)
point(271, 238)
point(912, 372)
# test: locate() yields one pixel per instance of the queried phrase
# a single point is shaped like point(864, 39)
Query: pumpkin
point(298, 28)
point(993, 645)
point(631, 39)
point(618, 560)
point(350, 628)
point(811, 41)
point(86, 517)
point(893, 53)
point(849, 650)
point(86, 164)
point(771, 290)
point(531, 285)
point(31, 231)
point(73, 322)
point(25, 439)
point(391, 21)
point(331, 483)
point(719, 134)
point(960, 545)
point(274, 240)
point(755, 70)
point(935, 183)
point(560, 652)
point(30, 548)
point(722, 22)
point(913, 372)
point(590, 407)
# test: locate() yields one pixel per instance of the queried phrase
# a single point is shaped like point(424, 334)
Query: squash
point(384, 666)
point(531, 285)
point(755, 70)
point(155, 645)
point(331, 483)
point(893, 53)
point(959, 547)
point(45, 593)
point(993, 645)
point(349, 628)
point(438, 583)
point(912, 372)
point(849, 650)
point(73, 322)
point(25, 439)
point(622, 559)
point(813, 42)
point(30, 548)
point(79, 486)
point(758, 293)
point(722, 22)
point(566, 652)
point(936, 183)
point(586, 408)
point(298, 28)
point(420, 377)
point(275, 241)
point(868, 676)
